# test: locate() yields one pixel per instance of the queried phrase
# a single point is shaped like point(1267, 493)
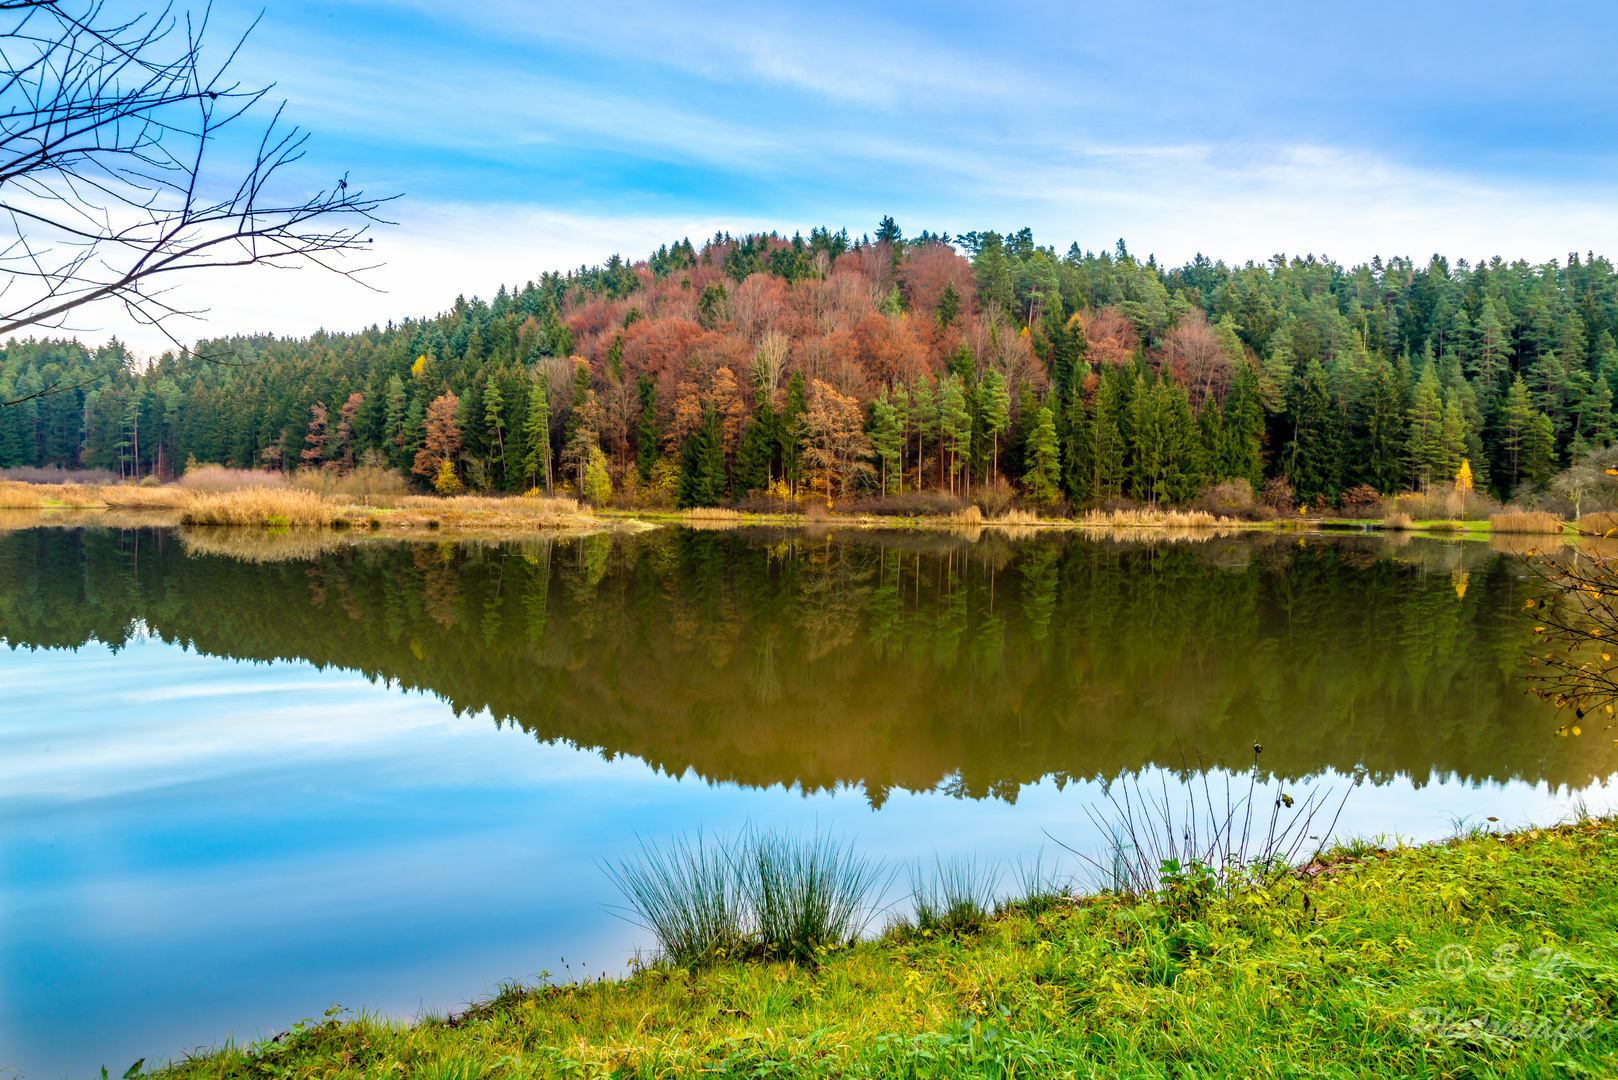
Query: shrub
point(1277, 494)
point(1228, 497)
point(993, 497)
point(1362, 500)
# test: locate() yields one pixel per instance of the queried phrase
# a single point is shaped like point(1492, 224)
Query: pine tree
point(886, 439)
point(1242, 449)
point(1379, 430)
point(537, 435)
point(955, 426)
point(1111, 459)
point(1517, 428)
point(1427, 458)
point(1539, 456)
point(1314, 456)
point(949, 306)
point(494, 403)
point(393, 424)
point(1454, 436)
point(1598, 417)
point(996, 412)
point(924, 414)
point(1043, 480)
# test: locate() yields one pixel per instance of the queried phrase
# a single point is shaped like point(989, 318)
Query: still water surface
point(242, 782)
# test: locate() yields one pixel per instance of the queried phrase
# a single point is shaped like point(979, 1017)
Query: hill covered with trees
point(767, 365)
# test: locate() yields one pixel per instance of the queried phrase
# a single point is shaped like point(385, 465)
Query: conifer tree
point(996, 413)
point(1517, 432)
point(886, 439)
point(1043, 480)
point(702, 464)
point(955, 426)
point(1242, 417)
point(1379, 428)
point(393, 423)
point(1427, 458)
point(789, 430)
point(1313, 457)
point(924, 415)
point(537, 435)
point(494, 423)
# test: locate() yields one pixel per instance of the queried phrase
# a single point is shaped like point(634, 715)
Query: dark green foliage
point(646, 433)
point(702, 465)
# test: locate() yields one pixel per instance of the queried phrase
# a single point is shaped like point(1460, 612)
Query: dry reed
point(219, 478)
point(1600, 523)
point(255, 545)
point(1395, 521)
point(968, 517)
point(1017, 517)
point(1524, 521)
point(259, 506)
point(1155, 519)
point(710, 513)
point(17, 495)
point(131, 497)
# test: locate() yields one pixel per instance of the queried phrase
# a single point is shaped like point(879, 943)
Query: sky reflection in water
point(197, 845)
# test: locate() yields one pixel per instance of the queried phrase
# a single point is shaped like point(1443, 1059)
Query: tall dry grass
point(147, 498)
point(274, 506)
point(17, 495)
point(1157, 519)
point(257, 545)
point(375, 486)
point(1600, 523)
point(219, 478)
point(1524, 521)
point(1014, 517)
point(710, 513)
point(1396, 521)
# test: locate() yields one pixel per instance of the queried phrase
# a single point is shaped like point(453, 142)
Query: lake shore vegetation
point(1488, 954)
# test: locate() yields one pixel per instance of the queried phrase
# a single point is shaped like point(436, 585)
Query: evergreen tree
point(1242, 416)
point(393, 424)
point(1314, 455)
point(1043, 480)
point(1379, 430)
point(887, 440)
point(949, 306)
point(537, 435)
point(996, 412)
point(1598, 417)
point(1517, 434)
point(494, 423)
point(924, 414)
point(955, 426)
point(1426, 454)
point(702, 464)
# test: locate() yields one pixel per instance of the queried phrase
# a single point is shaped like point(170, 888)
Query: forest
point(762, 367)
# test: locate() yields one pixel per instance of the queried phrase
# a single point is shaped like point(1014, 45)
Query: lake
point(246, 777)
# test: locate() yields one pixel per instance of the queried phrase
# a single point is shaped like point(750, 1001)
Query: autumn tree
point(442, 439)
point(315, 441)
point(834, 441)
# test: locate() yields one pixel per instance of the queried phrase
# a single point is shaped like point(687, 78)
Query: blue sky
point(530, 136)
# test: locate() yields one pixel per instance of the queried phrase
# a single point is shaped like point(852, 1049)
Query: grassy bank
point(1491, 955)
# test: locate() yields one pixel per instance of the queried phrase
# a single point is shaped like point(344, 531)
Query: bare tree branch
point(108, 132)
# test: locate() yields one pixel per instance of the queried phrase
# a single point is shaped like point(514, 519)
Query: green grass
point(1437, 961)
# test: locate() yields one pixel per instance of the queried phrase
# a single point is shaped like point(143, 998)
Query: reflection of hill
point(888, 660)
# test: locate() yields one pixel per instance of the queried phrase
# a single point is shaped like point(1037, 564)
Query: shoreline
point(1488, 950)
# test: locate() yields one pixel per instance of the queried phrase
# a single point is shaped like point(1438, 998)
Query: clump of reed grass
point(1040, 887)
point(133, 497)
point(1217, 841)
point(259, 545)
point(21, 495)
point(956, 897)
point(1015, 517)
point(971, 515)
point(1146, 517)
point(710, 513)
point(689, 895)
point(272, 506)
point(1524, 521)
point(806, 893)
point(763, 893)
point(15, 495)
point(1396, 521)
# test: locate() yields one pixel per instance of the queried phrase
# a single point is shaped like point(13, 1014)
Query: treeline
point(884, 364)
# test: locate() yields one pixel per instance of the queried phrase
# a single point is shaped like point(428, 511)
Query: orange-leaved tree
point(442, 442)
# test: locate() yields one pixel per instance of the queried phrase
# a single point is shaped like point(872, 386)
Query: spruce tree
point(394, 421)
point(1043, 480)
point(494, 423)
point(702, 464)
point(1379, 425)
point(1243, 418)
point(1314, 456)
point(1426, 456)
point(537, 435)
point(996, 413)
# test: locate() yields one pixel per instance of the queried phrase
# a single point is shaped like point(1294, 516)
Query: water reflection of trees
point(888, 660)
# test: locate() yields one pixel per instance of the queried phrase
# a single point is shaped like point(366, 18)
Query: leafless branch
point(108, 135)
